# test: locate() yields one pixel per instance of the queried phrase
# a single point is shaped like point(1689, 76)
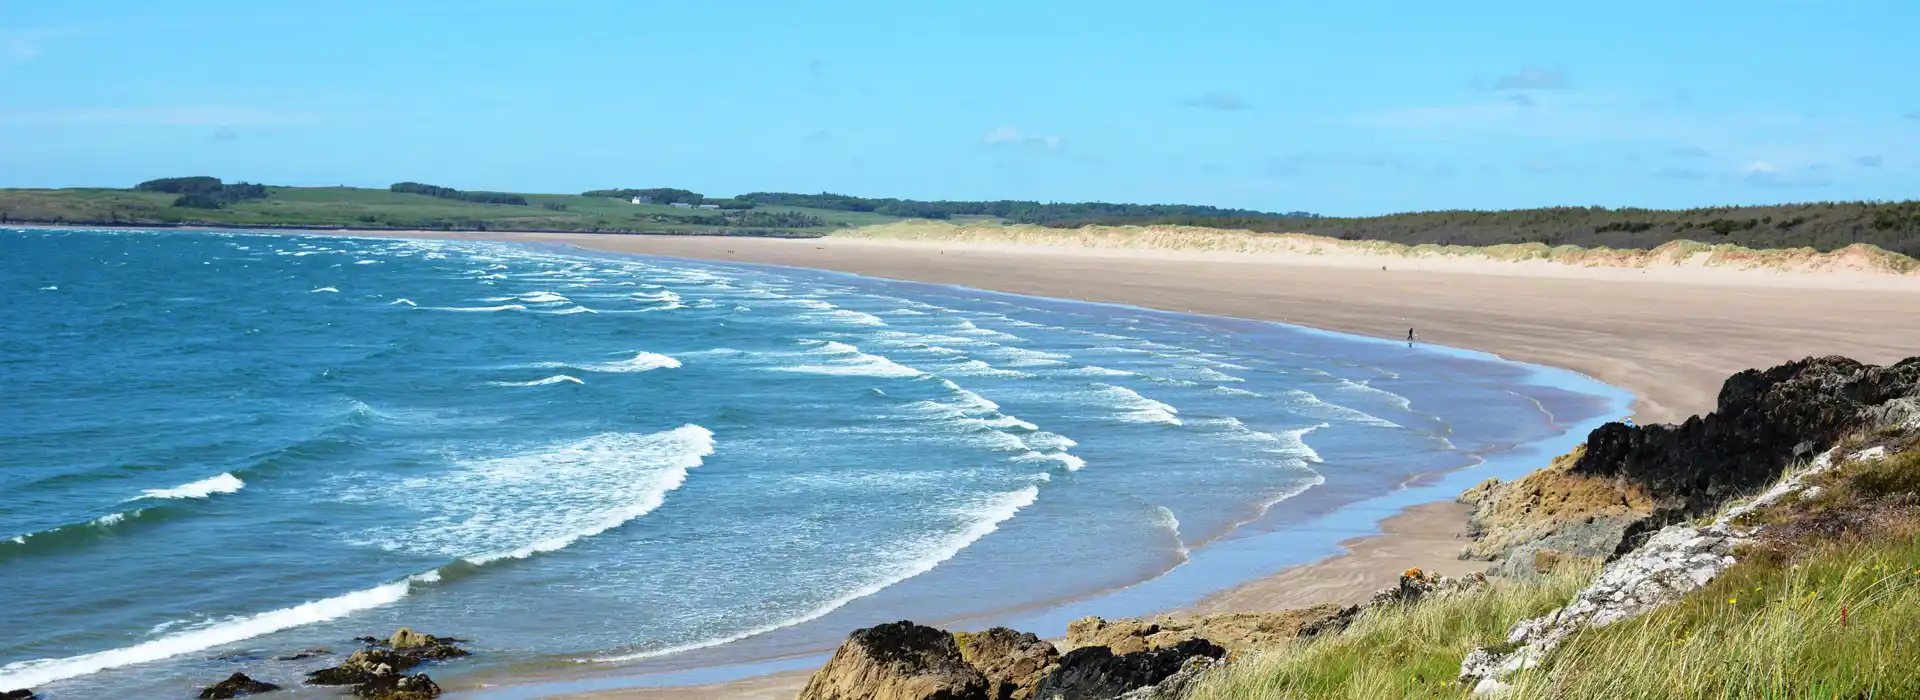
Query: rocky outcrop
point(1238, 632)
point(235, 686)
point(1764, 421)
point(1550, 519)
point(1012, 662)
point(897, 661)
point(1414, 586)
point(1178, 685)
point(1097, 673)
point(21, 694)
point(1677, 560)
point(380, 671)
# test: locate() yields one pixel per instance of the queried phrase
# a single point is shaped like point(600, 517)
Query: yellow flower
point(1733, 601)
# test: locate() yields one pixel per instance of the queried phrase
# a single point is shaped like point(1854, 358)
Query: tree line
point(1016, 211)
point(462, 195)
point(1825, 226)
point(203, 192)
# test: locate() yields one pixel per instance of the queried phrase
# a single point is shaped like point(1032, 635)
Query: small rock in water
point(21, 694)
point(398, 687)
point(378, 672)
point(236, 685)
point(304, 654)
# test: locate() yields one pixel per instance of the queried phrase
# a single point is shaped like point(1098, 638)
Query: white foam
point(224, 483)
point(480, 309)
point(110, 519)
point(368, 262)
point(1315, 407)
point(1172, 523)
point(903, 312)
point(976, 368)
point(640, 362)
point(1136, 408)
point(542, 297)
point(847, 360)
point(854, 317)
point(1095, 371)
point(571, 310)
point(408, 302)
point(1230, 391)
point(50, 288)
point(1050, 441)
point(555, 379)
point(26, 674)
point(967, 328)
point(543, 500)
point(325, 289)
point(1071, 462)
point(927, 553)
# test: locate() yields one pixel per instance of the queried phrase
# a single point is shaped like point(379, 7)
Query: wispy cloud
point(191, 115)
point(1532, 79)
point(1872, 161)
point(1014, 138)
point(1689, 152)
point(1220, 100)
point(1767, 174)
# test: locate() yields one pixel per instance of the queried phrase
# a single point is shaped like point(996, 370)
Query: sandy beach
point(1671, 336)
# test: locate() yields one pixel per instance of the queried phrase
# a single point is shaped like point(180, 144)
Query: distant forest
point(462, 195)
point(1016, 211)
point(1825, 226)
point(203, 192)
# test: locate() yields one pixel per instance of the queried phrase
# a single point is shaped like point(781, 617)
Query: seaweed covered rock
point(1012, 662)
point(897, 661)
point(1096, 673)
point(1765, 420)
point(399, 687)
point(236, 685)
point(380, 671)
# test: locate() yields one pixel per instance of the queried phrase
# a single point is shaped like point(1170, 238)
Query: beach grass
point(1831, 611)
point(1861, 257)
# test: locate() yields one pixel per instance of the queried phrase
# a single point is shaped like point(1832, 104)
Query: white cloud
point(1010, 137)
point(1761, 172)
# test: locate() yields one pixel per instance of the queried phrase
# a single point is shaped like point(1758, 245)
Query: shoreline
point(1669, 342)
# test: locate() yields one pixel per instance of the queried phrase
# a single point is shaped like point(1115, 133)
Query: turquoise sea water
point(220, 448)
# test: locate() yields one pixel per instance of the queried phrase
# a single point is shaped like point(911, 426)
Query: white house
point(642, 199)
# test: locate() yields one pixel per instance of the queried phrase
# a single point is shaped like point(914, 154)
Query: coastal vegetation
point(1548, 233)
point(464, 196)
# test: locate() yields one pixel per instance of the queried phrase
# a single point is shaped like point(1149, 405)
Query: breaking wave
point(555, 379)
point(224, 483)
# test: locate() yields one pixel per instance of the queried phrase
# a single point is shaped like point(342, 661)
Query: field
point(350, 207)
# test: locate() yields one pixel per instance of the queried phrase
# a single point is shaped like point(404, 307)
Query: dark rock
point(1012, 662)
point(897, 661)
point(241, 655)
point(236, 685)
point(304, 654)
point(365, 666)
point(1764, 421)
point(370, 640)
point(399, 687)
point(21, 694)
point(1096, 673)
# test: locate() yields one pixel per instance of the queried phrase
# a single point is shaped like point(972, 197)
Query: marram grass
point(1841, 621)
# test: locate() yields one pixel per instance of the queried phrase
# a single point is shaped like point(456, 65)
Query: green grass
point(351, 207)
point(1827, 607)
point(1842, 621)
point(1397, 652)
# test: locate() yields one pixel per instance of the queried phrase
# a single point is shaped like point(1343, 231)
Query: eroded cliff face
point(1765, 421)
point(1606, 497)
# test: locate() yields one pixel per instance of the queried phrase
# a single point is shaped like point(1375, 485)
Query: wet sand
point(1668, 338)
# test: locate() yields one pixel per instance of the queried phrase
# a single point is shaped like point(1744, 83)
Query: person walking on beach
point(1410, 337)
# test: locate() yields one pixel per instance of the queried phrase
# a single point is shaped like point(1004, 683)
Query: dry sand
point(1670, 336)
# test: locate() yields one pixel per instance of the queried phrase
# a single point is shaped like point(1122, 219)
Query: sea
point(218, 449)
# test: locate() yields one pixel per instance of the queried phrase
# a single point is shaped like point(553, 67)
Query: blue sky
point(1338, 108)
